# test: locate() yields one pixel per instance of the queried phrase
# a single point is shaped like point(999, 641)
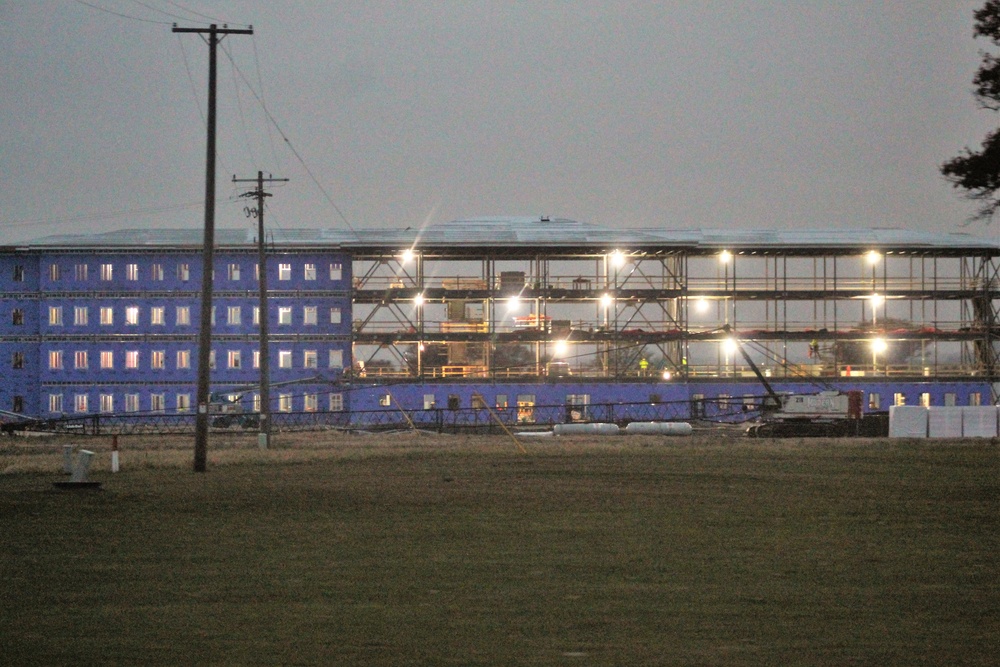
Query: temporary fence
point(443, 420)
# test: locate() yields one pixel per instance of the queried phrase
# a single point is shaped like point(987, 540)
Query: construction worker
point(643, 367)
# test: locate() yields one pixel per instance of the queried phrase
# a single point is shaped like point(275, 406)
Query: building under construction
point(504, 313)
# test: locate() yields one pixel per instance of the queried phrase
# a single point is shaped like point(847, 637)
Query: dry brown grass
point(411, 549)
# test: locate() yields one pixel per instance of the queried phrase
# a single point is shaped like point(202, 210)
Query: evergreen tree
point(978, 172)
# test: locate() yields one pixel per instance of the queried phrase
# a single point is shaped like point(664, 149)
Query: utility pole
point(264, 436)
point(215, 35)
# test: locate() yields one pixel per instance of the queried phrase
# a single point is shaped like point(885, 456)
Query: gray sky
point(671, 114)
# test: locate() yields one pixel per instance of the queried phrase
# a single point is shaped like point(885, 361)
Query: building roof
point(504, 232)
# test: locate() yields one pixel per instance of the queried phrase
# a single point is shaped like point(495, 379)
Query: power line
point(93, 217)
point(288, 142)
point(159, 11)
point(204, 16)
point(124, 16)
point(260, 84)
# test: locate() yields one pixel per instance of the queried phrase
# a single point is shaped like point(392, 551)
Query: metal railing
point(442, 420)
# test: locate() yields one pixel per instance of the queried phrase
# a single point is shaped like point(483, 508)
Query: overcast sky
point(671, 114)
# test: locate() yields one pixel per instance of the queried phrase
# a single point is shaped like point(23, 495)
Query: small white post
point(114, 453)
point(68, 459)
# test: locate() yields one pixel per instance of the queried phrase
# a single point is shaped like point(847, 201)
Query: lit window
point(256, 315)
point(183, 272)
point(132, 315)
point(156, 272)
point(80, 316)
point(55, 359)
point(107, 403)
point(156, 359)
point(80, 272)
point(336, 358)
point(335, 316)
point(107, 272)
point(131, 402)
point(211, 359)
point(55, 316)
point(310, 402)
point(233, 315)
point(183, 402)
point(234, 271)
point(157, 402)
point(285, 315)
point(234, 359)
point(55, 403)
point(336, 271)
point(183, 358)
point(285, 402)
point(107, 359)
point(157, 315)
point(256, 358)
point(285, 359)
point(53, 272)
point(284, 272)
point(309, 315)
point(132, 272)
point(336, 402)
point(309, 359)
point(80, 402)
point(213, 315)
point(310, 272)
point(80, 359)
point(132, 359)
point(183, 315)
point(975, 398)
point(107, 315)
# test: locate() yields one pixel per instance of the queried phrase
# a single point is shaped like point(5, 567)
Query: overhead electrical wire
point(108, 215)
point(204, 16)
point(288, 142)
point(160, 11)
point(260, 85)
point(119, 14)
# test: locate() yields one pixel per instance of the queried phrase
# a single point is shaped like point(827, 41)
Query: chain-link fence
point(443, 420)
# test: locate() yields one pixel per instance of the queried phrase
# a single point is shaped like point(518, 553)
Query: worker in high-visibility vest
point(643, 367)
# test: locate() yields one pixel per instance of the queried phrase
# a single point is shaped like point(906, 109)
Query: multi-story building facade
point(504, 312)
point(112, 326)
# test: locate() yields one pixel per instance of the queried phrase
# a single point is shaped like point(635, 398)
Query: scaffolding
point(618, 311)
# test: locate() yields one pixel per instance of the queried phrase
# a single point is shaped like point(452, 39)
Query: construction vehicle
point(226, 406)
point(829, 413)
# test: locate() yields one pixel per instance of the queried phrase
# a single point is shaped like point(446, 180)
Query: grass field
point(435, 550)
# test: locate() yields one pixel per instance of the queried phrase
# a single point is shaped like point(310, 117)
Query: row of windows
point(108, 403)
point(728, 404)
point(182, 315)
point(81, 272)
point(158, 359)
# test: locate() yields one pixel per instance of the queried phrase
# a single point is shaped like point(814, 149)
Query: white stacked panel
point(944, 422)
point(979, 421)
point(907, 421)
